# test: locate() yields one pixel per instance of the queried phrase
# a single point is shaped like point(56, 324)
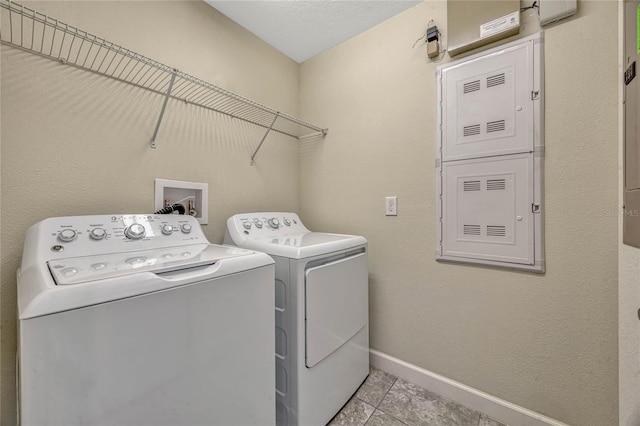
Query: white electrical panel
point(487, 105)
point(487, 206)
point(490, 158)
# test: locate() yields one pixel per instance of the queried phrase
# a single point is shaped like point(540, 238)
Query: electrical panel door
point(490, 158)
point(487, 105)
point(487, 208)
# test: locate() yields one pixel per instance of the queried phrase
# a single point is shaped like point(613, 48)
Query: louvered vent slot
point(496, 184)
point(472, 130)
point(471, 86)
point(496, 231)
point(472, 185)
point(495, 80)
point(495, 126)
point(471, 229)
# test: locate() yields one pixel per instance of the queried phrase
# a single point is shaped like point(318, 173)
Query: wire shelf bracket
point(34, 32)
point(263, 138)
point(164, 106)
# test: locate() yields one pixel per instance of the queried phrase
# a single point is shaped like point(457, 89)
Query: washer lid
point(77, 282)
point(309, 244)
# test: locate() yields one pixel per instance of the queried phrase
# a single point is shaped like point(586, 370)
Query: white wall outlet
point(391, 206)
point(194, 196)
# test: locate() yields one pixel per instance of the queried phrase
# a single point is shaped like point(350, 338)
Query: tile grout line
point(382, 399)
point(376, 407)
point(387, 392)
point(366, 403)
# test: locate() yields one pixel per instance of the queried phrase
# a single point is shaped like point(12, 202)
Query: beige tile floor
point(385, 400)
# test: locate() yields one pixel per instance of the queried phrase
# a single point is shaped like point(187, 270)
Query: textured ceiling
point(301, 29)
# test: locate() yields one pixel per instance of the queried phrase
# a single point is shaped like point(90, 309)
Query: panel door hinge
point(535, 95)
point(535, 208)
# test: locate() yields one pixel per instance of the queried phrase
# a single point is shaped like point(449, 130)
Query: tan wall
point(75, 143)
point(547, 343)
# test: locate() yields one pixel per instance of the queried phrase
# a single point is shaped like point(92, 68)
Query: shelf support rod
point(164, 106)
point(264, 137)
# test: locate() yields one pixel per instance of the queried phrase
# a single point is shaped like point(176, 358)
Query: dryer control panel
point(251, 226)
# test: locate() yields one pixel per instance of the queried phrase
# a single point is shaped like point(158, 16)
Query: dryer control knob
point(247, 225)
point(67, 235)
point(273, 222)
point(186, 228)
point(97, 234)
point(287, 222)
point(258, 224)
point(135, 231)
point(167, 229)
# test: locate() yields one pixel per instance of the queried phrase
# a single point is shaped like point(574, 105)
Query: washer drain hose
point(172, 208)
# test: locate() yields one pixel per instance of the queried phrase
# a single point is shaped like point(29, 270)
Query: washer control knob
point(287, 222)
point(258, 223)
point(273, 222)
point(67, 235)
point(186, 228)
point(135, 231)
point(97, 234)
point(247, 225)
point(167, 229)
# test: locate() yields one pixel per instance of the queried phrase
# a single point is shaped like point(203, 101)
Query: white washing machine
point(139, 320)
point(322, 320)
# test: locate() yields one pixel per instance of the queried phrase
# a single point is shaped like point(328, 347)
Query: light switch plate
point(391, 206)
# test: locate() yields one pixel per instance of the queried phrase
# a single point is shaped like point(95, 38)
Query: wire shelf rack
point(34, 32)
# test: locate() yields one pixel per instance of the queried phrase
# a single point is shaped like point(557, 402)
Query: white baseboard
point(496, 408)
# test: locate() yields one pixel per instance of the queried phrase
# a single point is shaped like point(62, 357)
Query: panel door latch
point(535, 208)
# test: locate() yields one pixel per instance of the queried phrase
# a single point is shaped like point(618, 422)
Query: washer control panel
point(249, 226)
point(91, 235)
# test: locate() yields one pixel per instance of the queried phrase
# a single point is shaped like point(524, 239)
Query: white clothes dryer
point(139, 320)
point(322, 315)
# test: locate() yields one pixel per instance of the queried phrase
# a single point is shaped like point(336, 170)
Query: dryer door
point(337, 300)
